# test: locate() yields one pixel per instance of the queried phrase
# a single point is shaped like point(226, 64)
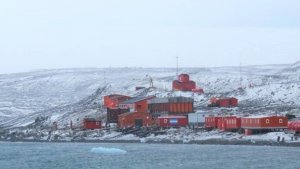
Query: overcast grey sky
point(46, 34)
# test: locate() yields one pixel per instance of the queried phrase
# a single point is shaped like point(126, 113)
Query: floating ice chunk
point(108, 151)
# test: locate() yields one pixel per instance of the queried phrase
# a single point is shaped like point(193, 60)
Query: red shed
point(113, 101)
point(211, 122)
point(91, 123)
point(138, 104)
point(264, 122)
point(172, 121)
point(134, 119)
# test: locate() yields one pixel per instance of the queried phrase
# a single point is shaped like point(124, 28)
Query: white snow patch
point(108, 151)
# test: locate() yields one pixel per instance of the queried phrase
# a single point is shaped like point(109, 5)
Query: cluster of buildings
point(150, 111)
point(250, 125)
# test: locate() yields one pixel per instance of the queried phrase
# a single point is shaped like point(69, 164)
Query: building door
point(138, 123)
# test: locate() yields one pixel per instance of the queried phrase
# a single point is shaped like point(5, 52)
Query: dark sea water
point(144, 156)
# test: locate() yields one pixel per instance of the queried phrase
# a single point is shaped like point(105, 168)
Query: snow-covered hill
point(70, 94)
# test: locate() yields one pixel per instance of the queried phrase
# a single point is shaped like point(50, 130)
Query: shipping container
point(294, 126)
point(91, 123)
point(135, 119)
point(171, 121)
point(211, 122)
point(112, 114)
point(229, 123)
point(264, 122)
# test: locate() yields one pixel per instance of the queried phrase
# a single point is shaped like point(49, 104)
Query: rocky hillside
point(71, 94)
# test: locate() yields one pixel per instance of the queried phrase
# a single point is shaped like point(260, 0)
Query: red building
point(134, 119)
point(233, 102)
point(198, 90)
point(171, 121)
point(171, 106)
point(113, 101)
point(112, 114)
point(211, 122)
point(264, 122)
point(223, 102)
point(184, 83)
point(294, 126)
point(229, 123)
point(136, 104)
point(91, 123)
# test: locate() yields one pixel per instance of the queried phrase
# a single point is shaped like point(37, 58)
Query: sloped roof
point(136, 99)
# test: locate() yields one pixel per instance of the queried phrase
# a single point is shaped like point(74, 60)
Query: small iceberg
point(108, 151)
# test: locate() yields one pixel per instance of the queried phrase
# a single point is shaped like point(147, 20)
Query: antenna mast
point(240, 75)
point(104, 77)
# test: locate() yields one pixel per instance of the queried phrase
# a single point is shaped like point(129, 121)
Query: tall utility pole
point(177, 66)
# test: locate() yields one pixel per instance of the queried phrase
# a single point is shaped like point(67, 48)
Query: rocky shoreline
point(142, 141)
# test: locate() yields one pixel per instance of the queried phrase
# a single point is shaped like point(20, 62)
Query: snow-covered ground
point(181, 135)
point(72, 94)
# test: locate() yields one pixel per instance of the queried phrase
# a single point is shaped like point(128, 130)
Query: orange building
point(134, 119)
point(264, 122)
